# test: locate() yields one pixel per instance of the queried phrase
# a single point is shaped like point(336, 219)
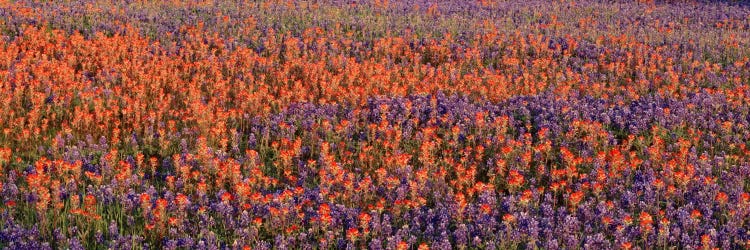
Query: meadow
point(416, 124)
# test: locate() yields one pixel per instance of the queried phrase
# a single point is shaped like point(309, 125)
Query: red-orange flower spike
point(695, 214)
point(226, 197)
point(145, 199)
point(181, 200)
point(352, 233)
point(324, 212)
point(89, 202)
point(576, 198)
point(706, 240)
point(722, 198)
point(402, 246)
point(161, 203)
point(485, 208)
point(628, 220)
point(515, 179)
point(509, 218)
point(364, 220)
point(646, 221)
point(626, 245)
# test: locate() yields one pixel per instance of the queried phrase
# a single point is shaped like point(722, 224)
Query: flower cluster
point(378, 125)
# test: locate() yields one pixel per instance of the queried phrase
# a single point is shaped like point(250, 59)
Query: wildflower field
point(416, 124)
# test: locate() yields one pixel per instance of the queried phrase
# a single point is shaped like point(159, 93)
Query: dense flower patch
point(402, 125)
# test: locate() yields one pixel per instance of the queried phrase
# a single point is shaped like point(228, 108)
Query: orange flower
point(576, 198)
point(402, 245)
point(77, 211)
point(364, 220)
point(722, 197)
point(161, 204)
point(423, 246)
point(291, 229)
point(695, 214)
point(226, 197)
point(173, 221)
point(352, 233)
point(509, 218)
point(170, 181)
point(626, 245)
point(646, 221)
point(145, 199)
point(515, 179)
point(664, 221)
point(628, 220)
point(485, 208)
point(324, 213)
point(89, 202)
point(181, 200)
point(705, 240)
point(526, 196)
point(658, 183)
